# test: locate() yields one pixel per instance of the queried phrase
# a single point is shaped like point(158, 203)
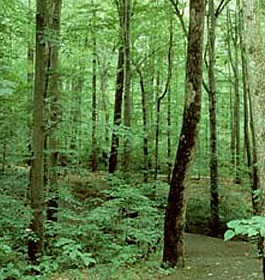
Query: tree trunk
point(175, 210)
point(127, 82)
point(160, 98)
point(215, 219)
point(93, 156)
point(35, 246)
point(145, 126)
point(234, 63)
point(105, 107)
point(54, 94)
point(169, 152)
point(113, 160)
point(245, 85)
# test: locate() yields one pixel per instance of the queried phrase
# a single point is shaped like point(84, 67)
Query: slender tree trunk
point(127, 82)
point(234, 63)
point(75, 107)
point(35, 246)
point(215, 219)
point(160, 98)
point(105, 106)
point(145, 126)
point(175, 210)
point(54, 93)
point(169, 152)
point(113, 160)
point(245, 84)
point(30, 54)
point(93, 156)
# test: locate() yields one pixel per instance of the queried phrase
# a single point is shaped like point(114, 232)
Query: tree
point(113, 159)
point(54, 88)
point(126, 14)
point(173, 253)
point(161, 97)
point(35, 244)
point(93, 155)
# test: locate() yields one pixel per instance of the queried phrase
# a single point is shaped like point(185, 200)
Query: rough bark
point(127, 82)
point(54, 94)
point(215, 219)
point(175, 211)
point(113, 159)
point(35, 246)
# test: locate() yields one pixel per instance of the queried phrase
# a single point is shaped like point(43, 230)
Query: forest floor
point(212, 258)
point(206, 258)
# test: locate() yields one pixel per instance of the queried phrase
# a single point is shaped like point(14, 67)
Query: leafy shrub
point(123, 229)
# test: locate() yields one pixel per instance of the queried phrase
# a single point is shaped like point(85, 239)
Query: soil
point(212, 258)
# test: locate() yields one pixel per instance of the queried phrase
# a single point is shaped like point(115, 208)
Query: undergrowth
point(106, 223)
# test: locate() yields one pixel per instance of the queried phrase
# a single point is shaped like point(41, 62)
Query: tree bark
point(127, 82)
point(245, 85)
point(175, 211)
point(113, 159)
point(93, 156)
point(215, 219)
point(145, 125)
point(35, 246)
point(54, 94)
point(160, 98)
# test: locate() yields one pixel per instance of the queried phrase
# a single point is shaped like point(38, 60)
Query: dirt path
point(206, 259)
point(212, 258)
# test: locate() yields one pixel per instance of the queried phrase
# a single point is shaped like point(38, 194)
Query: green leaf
point(229, 234)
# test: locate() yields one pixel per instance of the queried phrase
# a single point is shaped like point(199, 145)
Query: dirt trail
point(212, 258)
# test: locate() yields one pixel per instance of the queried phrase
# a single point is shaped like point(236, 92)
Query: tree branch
point(221, 7)
point(180, 16)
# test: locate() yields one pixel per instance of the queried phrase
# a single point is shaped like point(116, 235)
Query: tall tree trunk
point(113, 159)
point(94, 97)
point(105, 107)
point(160, 98)
point(35, 246)
point(215, 219)
point(175, 211)
point(30, 54)
point(127, 82)
point(169, 152)
point(234, 63)
point(54, 94)
point(245, 84)
point(145, 125)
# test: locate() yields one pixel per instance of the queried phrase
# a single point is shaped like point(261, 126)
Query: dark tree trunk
point(169, 163)
point(113, 160)
point(54, 92)
point(175, 210)
point(127, 82)
point(215, 219)
point(35, 247)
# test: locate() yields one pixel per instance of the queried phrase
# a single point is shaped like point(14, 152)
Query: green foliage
point(70, 254)
point(253, 227)
point(123, 228)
